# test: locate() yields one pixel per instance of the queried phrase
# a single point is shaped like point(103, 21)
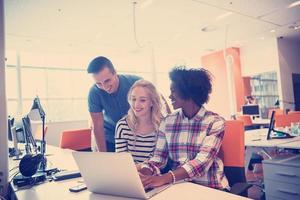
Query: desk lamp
point(37, 113)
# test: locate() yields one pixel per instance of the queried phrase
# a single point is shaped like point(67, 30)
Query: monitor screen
point(18, 131)
point(250, 109)
point(10, 124)
point(28, 132)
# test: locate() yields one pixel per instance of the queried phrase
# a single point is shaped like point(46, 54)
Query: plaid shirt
point(193, 145)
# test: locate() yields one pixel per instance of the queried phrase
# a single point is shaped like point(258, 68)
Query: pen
point(256, 140)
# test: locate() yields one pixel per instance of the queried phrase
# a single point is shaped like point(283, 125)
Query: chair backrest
point(76, 139)
point(233, 146)
point(232, 152)
point(278, 111)
point(293, 112)
point(246, 119)
point(286, 120)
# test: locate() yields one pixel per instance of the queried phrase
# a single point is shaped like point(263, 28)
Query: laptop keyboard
point(149, 190)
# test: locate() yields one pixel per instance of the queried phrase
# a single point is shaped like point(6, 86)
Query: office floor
point(256, 177)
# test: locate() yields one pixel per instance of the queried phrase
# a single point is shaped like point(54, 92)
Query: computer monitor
point(250, 110)
point(28, 134)
point(10, 124)
point(18, 130)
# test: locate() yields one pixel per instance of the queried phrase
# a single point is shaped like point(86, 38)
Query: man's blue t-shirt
point(113, 106)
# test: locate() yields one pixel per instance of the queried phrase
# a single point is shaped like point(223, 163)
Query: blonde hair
point(156, 114)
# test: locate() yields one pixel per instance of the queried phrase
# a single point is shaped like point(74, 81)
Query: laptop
point(278, 134)
point(112, 174)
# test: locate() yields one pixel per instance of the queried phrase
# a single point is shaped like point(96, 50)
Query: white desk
point(59, 190)
point(258, 138)
point(290, 145)
point(256, 141)
point(261, 122)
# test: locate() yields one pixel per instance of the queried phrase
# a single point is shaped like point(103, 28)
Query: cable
point(134, 25)
point(13, 168)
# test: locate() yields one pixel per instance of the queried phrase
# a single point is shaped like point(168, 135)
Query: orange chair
point(293, 112)
point(278, 111)
point(79, 140)
point(246, 120)
point(232, 153)
point(286, 120)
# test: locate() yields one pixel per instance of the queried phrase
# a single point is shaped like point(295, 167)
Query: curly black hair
point(194, 83)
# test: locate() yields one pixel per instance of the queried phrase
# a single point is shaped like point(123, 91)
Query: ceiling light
point(272, 31)
point(209, 28)
point(296, 3)
point(223, 16)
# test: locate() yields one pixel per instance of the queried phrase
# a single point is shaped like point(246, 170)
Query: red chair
point(293, 112)
point(79, 140)
point(286, 120)
point(232, 153)
point(278, 111)
point(246, 119)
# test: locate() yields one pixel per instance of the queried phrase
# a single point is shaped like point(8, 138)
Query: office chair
point(293, 112)
point(286, 120)
point(246, 119)
point(79, 140)
point(278, 111)
point(232, 153)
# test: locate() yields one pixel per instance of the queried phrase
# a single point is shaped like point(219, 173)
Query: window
point(62, 90)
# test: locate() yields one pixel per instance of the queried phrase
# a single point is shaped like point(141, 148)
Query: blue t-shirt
point(113, 106)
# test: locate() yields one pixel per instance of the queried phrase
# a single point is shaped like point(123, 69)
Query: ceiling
point(170, 27)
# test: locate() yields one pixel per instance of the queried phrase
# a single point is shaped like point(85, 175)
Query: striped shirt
point(140, 146)
point(192, 144)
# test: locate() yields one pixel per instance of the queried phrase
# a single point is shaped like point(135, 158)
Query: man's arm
point(98, 129)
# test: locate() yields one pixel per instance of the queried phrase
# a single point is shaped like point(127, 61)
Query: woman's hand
point(145, 171)
point(138, 167)
point(155, 181)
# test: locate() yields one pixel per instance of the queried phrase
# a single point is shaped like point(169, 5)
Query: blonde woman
point(137, 132)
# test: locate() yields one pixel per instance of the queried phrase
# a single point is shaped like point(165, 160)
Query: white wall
point(56, 128)
point(289, 61)
point(259, 56)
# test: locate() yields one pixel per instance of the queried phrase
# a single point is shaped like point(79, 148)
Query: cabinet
point(282, 178)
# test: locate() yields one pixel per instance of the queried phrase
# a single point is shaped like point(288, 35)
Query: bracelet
point(173, 176)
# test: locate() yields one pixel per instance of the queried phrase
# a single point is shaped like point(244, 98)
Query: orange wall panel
point(215, 63)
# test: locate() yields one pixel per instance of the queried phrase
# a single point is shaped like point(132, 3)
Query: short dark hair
point(194, 83)
point(98, 63)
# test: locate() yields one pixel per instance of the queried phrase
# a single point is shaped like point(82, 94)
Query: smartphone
point(78, 188)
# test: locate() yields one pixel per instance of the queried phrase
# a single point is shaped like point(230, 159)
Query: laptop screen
point(271, 125)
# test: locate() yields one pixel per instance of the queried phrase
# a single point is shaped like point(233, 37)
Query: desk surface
point(63, 159)
point(261, 122)
point(290, 145)
point(258, 138)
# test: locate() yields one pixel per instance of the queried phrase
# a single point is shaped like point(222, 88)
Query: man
point(107, 100)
